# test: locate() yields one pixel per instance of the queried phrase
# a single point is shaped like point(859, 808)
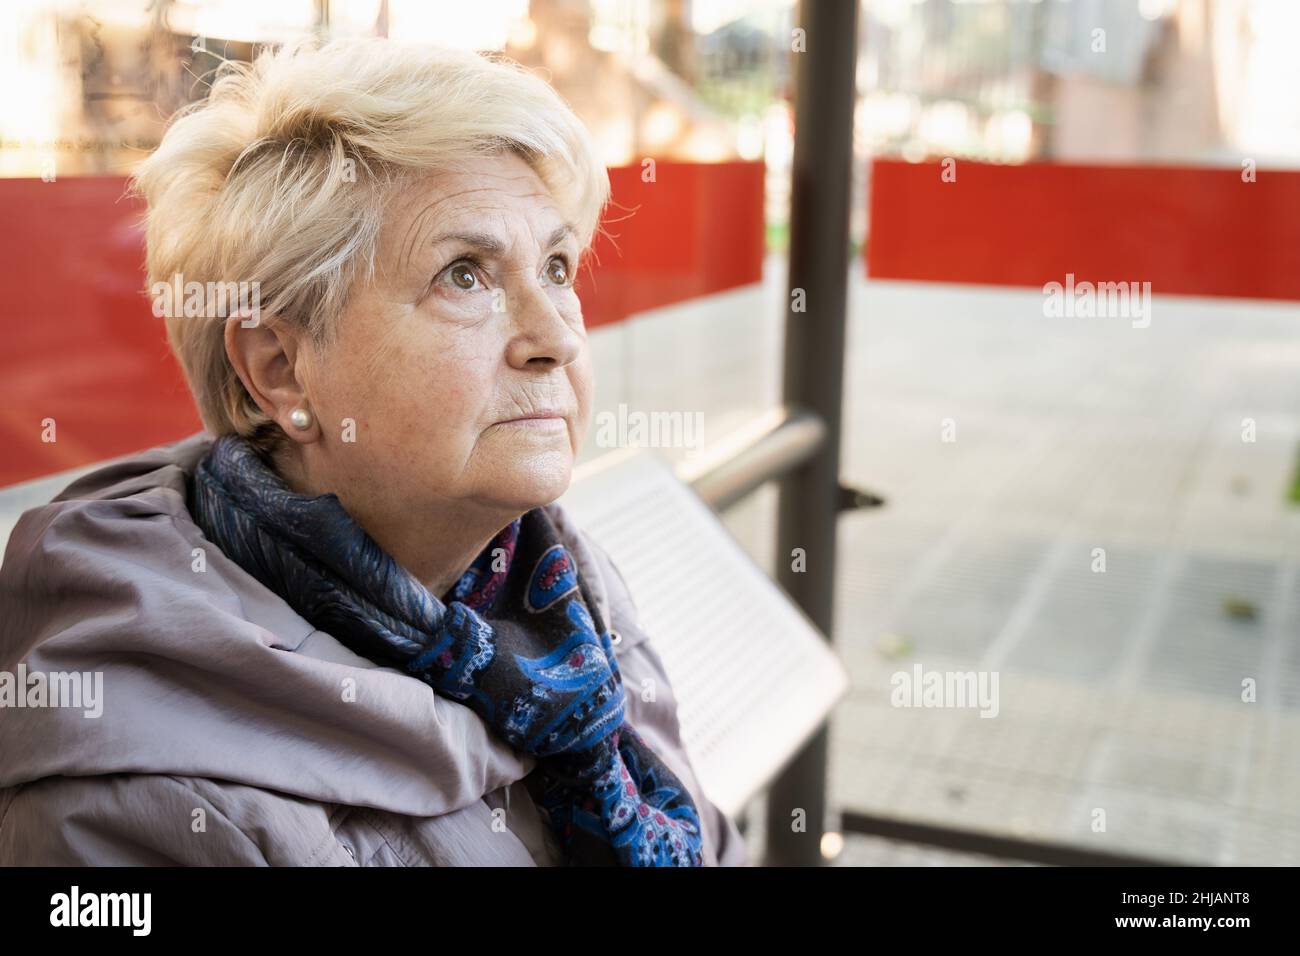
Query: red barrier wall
point(1186, 230)
point(697, 229)
point(81, 344)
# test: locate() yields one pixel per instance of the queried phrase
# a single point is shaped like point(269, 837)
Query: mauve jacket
point(232, 731)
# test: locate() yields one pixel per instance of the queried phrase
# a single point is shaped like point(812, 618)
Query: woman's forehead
point(484, 203)
point(489, 181)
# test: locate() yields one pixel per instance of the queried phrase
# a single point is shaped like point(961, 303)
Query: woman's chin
point(533, 482)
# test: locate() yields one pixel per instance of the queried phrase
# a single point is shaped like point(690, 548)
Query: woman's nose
point(542, 334)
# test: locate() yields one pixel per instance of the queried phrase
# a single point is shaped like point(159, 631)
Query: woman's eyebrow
point(561, 232)
point(493, 246)
point(481, 241)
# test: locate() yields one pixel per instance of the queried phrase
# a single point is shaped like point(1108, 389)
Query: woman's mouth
point(537, 420)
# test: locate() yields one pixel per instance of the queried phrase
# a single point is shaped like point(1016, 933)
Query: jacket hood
point(202, 671)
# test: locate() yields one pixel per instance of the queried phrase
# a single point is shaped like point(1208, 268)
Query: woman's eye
point(462, 274)
point(558, 271)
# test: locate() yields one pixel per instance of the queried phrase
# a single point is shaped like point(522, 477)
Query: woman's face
point(471, 324)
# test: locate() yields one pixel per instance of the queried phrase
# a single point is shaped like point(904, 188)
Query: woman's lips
point(537, 420)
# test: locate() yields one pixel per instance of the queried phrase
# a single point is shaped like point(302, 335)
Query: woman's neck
point(438, 549)
point(436, 544)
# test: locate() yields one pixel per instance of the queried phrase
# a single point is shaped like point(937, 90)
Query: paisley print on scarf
point(553, 578)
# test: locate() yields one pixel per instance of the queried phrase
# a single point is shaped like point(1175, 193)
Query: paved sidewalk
point(1121, 724)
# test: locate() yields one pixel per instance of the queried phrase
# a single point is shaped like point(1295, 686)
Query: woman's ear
point(265, 357)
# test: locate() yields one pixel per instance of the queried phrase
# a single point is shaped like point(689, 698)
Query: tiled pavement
point(1121, 691)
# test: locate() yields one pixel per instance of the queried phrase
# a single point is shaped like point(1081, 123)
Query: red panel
point(697, 229)
point(1186, 230)
point(81, 345)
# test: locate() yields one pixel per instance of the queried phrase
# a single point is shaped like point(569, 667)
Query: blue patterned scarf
point(514, 640)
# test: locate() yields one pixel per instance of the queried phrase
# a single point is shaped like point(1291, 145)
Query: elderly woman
point(349, 624)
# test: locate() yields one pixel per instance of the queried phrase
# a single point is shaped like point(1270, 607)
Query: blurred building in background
point(1181, 81)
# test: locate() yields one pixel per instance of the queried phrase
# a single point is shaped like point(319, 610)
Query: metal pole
point(825, 92)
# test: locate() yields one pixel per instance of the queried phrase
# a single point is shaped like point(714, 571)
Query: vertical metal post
point(825, 93)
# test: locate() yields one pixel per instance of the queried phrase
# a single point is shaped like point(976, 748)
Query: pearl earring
point(301, 419)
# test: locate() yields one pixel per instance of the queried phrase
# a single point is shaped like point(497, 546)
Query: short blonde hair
point(281, 176)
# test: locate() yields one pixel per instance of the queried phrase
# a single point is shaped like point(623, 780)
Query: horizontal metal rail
point(771, 446)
